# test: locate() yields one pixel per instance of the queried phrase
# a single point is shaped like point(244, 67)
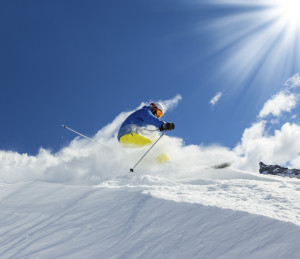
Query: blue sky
point(81, 63)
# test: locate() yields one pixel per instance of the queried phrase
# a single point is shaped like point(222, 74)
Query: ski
point(221, 166)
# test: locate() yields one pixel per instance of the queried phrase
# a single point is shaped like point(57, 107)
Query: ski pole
point(131, 169)
point(65, 126)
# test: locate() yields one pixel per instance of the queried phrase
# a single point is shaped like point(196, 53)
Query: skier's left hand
point(167, 126)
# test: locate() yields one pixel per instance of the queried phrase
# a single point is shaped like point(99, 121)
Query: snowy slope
point(214, 214)
point(82, 203)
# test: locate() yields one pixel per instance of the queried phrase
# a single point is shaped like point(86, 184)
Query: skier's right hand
point(167, 126)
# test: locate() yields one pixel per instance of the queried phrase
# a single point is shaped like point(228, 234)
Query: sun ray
point(259, 38)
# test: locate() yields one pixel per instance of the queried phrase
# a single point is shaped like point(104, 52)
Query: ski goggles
point(158, 112)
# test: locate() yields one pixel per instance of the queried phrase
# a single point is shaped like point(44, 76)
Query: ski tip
point(223, 165)
point(64, 126)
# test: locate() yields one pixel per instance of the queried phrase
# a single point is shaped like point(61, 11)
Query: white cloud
point(279, 103)
point(294, 81)
point(171, 103)
point(167, 104)
point(279, 148)
point(86, 162)
point(216, 98)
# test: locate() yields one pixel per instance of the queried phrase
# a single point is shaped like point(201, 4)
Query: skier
point(137, 129)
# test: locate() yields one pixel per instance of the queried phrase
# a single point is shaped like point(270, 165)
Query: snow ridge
point(93, 222)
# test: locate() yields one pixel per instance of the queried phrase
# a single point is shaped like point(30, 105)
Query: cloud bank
point(256, 145)
point(280, 146)
point(91, 162)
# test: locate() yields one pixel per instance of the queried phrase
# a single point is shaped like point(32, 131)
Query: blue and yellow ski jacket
point(138, 119)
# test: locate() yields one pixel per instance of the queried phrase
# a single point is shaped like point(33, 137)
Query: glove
point(167, 126)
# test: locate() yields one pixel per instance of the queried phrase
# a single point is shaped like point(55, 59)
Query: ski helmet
point(157, 109)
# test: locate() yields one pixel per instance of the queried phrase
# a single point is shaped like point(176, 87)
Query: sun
point(289, 11)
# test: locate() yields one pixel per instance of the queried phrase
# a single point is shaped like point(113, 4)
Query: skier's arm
point(151, 119)
point(160, 124)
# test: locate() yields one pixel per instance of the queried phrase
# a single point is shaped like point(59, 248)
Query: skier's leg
point(162, 158)
point(134, 140)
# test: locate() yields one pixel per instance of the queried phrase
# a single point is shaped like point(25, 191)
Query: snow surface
point(82, 202)
point(152, 217)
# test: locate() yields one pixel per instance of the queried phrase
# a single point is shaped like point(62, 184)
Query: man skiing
point(137, 129)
